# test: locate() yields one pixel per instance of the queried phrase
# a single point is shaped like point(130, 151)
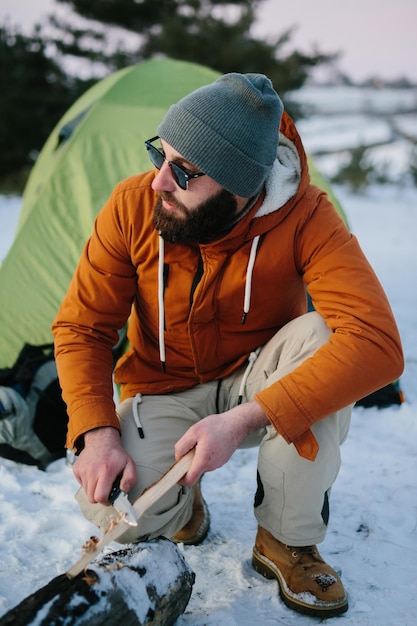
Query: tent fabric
point(98, 142)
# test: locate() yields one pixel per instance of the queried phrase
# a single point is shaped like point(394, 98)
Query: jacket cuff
point(89, 417)
point(288, 420)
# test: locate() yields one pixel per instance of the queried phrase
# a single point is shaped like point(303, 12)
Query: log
point(145, 583)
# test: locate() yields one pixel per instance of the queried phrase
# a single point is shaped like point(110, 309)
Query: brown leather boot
point(196, 529)
point(307, 584)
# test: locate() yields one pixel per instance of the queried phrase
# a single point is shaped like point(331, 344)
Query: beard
point(207, 222)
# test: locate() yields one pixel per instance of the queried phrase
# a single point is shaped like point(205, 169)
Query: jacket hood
point(284, 179)
point(287, 181)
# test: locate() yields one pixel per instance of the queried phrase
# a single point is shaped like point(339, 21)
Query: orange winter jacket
point(296, 242)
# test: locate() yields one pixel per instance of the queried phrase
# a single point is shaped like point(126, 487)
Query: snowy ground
point(372, 537)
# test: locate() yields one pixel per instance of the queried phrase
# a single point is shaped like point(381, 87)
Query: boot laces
point(299, 551)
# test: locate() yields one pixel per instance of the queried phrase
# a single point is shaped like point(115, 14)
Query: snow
point(331, 100)
point(349, 130)
point(372, 535)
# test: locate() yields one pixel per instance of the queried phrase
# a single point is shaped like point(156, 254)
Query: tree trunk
point(145, 583)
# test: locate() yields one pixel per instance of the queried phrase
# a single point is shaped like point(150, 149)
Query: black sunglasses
point(180, 174)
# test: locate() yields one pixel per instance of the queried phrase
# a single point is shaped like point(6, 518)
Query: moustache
point(168, 197)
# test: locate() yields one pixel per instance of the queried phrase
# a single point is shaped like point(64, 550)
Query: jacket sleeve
point(96, 306)
point(364, 349)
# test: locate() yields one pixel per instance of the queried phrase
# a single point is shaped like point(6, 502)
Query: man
point(210, 257)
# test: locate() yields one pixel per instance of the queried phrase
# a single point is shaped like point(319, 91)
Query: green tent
point(98, 142)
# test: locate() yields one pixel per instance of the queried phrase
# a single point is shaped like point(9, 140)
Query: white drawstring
point(135, 410)
point(248, 284)
point(161, 302)
point(251, 361)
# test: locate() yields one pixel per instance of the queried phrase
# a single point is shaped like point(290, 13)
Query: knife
point(140, 506)
point(120, 501)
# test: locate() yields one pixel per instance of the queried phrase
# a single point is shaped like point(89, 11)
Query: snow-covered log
point(145, 583)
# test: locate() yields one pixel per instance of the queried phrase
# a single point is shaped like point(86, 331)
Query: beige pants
point(292, 496)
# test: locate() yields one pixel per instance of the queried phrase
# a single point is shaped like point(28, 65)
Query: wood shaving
point(90, 544)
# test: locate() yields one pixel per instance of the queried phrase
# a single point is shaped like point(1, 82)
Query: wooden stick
point(141, 505)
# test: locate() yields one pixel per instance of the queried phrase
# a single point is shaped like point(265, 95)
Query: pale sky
point(375, 37)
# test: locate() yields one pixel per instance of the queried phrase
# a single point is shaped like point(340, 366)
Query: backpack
point(33, 415)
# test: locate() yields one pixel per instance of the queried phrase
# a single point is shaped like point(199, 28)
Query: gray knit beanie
point(228, 130)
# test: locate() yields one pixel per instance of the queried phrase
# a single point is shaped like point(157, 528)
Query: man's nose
point(164, 180)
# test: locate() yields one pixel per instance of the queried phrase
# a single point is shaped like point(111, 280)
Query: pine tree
point(215, 33)
point(36, 91)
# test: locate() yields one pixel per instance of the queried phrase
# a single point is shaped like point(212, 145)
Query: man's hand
point(216, 437)
point(101, 461)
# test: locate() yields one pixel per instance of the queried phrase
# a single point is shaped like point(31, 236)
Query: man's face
point(199, 214)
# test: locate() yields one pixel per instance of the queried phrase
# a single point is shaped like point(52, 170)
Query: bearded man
point(210, 257)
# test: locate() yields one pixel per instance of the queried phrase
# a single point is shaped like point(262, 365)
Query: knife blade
point(120, 501)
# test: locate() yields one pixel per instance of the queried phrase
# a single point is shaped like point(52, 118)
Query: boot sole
point(317, 608)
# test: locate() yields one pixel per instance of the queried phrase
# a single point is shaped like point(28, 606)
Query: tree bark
point(145, 583)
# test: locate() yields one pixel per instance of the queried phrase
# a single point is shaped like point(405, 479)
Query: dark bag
point(33, 415)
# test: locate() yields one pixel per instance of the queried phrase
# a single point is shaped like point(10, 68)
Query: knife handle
point(115, 490)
